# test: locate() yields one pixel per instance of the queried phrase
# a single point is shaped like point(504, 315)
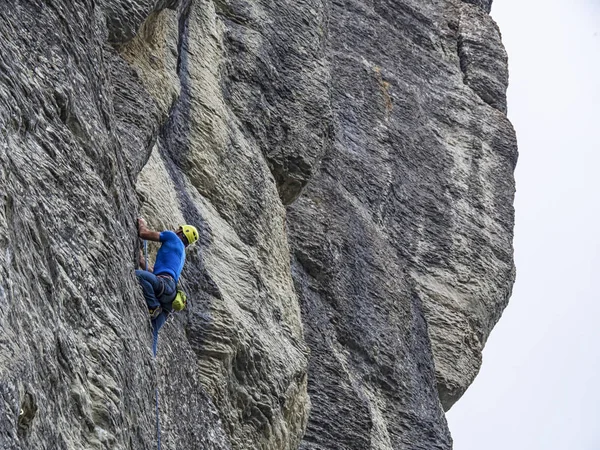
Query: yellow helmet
point(180, 300)
point(190, 232)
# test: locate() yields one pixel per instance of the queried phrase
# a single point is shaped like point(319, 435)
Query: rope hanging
point(154, 352)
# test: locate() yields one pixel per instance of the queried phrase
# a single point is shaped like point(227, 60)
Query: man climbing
point(160, 283)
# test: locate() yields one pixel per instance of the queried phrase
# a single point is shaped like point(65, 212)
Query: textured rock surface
point(486, 5)
point(482, 57)
point(411, 209)
point(76, 368)
point(340, 322)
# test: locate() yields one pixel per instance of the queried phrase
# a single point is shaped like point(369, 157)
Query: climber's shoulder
point(168, 235)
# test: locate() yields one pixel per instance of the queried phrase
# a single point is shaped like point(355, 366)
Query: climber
point(159, 284)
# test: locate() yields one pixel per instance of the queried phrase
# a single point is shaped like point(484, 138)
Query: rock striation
point(349, 165)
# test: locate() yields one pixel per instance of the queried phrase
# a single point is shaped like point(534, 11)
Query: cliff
point(349, 166)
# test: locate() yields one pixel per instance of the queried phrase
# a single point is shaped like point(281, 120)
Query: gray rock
point(486, 5)
point(277, 83)
point(350, 168)
point(123, 18)
point(411, 211)
point(75, 354)
point(483, 59)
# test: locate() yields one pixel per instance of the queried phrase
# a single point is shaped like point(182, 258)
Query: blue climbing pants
point(158, 290)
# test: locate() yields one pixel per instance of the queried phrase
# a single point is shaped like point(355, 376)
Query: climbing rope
point(154, 352)
point(145, 255)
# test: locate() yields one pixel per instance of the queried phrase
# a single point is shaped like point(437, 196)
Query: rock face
point(350, 167)
point(408, 221)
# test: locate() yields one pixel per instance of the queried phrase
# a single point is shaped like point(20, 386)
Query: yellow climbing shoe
point(154, 313)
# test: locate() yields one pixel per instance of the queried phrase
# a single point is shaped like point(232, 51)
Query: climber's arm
point(142, 262)
point(146, 233)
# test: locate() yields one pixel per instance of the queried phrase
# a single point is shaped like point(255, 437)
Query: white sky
point(539, 387)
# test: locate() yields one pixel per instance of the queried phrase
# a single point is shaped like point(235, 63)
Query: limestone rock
point(350, 168)
point(482, 56)
point(75, 338)
point(410, 212)
point(486, 5)
point(277, 82)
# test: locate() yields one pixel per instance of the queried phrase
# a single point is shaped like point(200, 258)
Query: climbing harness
point(162, 288)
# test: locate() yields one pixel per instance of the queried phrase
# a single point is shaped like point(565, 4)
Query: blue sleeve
point(167, 235)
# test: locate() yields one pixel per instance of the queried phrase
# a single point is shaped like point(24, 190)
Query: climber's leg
point(151, 286)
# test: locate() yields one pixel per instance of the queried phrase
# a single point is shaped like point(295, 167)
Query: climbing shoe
point(154, 313)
